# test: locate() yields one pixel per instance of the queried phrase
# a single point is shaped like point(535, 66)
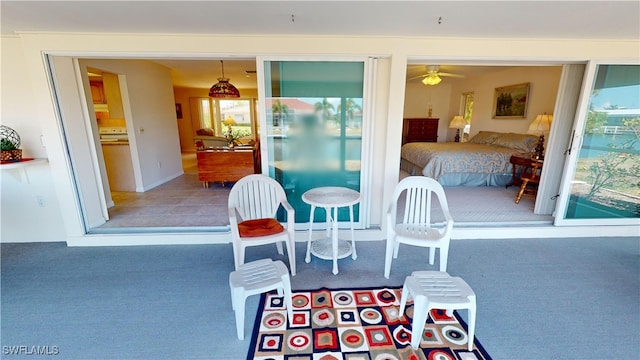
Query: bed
point(483, 161)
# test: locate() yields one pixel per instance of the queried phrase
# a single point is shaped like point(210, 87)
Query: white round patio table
point(331, 198)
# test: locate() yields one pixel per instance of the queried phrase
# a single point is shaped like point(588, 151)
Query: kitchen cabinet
point(107, 97)
point(97, 92)
point(117, 161)
point(420, 130)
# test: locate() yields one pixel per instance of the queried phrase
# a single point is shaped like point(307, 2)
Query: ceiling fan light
point(223, 88)
point(431, 79)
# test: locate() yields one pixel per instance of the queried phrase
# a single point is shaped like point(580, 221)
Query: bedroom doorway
point(447, 99)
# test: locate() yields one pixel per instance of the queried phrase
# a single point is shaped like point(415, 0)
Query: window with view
point(467, 110)
point(220, 115)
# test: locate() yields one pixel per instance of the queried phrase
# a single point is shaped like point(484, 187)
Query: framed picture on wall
point(510, 102)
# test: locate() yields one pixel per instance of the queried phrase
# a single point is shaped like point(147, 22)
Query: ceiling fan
point(432, 76)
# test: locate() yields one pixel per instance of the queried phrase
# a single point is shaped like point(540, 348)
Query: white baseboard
point(159, 182)
point(374, 234)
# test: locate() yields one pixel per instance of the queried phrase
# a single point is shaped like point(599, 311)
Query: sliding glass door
point(605, 183)
point(312, 128)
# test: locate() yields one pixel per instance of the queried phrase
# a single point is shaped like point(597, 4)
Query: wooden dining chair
point(530, 180)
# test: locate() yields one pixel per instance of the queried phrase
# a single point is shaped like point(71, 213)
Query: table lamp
point(457, 123)
point(540, 126)
point(229, 121)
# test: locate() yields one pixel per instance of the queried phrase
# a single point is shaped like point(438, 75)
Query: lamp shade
point(431, 79)
point(457, 122)
point(540, 125)
point(223, 88)
point(229, 121)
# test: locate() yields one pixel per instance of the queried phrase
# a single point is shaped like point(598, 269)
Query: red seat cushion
point(259, 227)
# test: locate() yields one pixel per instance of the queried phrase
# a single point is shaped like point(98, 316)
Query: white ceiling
point(514, 19)
point(204, 73)
point(453, 18)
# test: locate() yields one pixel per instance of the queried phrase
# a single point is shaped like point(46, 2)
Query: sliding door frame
point(368, 117)
point(573, 151)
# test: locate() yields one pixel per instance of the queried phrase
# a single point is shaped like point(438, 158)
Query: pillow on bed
point(521, 142)
point(484, 137)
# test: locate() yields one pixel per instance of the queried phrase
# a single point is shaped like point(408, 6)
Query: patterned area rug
point(354, 324)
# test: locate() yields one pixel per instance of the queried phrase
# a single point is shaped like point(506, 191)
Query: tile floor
point(180, 202)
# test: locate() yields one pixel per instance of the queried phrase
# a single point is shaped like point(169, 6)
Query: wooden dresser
point(227, 165)
point(419, 130)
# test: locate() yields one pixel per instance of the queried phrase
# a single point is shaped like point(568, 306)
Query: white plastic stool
point(437, 290)
point(257, 277)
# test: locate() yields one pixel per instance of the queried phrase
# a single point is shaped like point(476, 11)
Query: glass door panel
point(313, 128)
point(606, 176)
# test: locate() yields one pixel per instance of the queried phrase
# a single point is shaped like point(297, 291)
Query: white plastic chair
point(258, 277)
point(416, 227)
point(258, 197)
point(437, 290)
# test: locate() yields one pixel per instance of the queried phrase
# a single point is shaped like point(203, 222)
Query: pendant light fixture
point(223, 89)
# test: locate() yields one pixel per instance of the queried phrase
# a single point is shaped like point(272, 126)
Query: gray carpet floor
point(537, 298)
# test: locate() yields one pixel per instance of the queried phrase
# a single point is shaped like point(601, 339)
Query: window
point(219, 114)
point(467, 110)
point(238, 114)
point(206, 116)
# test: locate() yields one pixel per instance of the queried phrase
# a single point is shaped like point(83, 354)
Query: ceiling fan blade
point(450, 75)
point(417, 77)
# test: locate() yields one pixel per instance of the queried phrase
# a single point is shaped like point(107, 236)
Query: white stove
point(113, 133)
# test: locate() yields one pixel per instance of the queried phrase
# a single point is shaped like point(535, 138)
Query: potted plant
point(10, 145)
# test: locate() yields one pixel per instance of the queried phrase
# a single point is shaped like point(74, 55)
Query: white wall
point(418, 99)
point(28, 64)
point(30, 210)
point(543, 80)
point(445, 97)
point(153, 128)
point(186, 127)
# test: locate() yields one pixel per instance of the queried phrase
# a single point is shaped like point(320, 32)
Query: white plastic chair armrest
point(450, 224)
point(391, 215)
point(285, 204)
point(232, 215)
point(233, 222)
point(290, 215)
